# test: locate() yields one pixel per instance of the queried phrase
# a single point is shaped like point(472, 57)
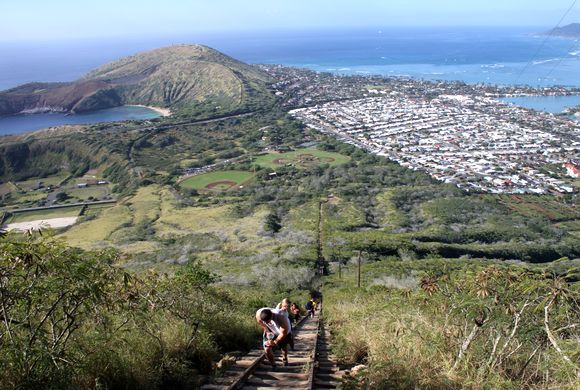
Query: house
point(572, 171)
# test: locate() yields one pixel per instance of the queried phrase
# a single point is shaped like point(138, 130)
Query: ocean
point(505, 56)
point(474, 55)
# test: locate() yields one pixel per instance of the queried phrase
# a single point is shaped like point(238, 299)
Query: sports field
point(28, 216)
point(301, 158)
point(217, 181)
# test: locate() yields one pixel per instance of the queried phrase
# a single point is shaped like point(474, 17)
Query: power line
point(571, 49)
point(544, 41)
point(559, 62)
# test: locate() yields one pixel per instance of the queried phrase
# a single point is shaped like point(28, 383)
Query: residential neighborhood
point(475, 142)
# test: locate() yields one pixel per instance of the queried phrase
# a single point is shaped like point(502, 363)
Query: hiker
point(284, 308)
point(310, 307)
point(277, 333)
point(284, 305)
point(295, 311)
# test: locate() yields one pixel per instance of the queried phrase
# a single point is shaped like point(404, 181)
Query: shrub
point(71, 319)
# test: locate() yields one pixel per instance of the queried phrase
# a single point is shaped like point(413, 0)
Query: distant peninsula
point(191, 79)
point(568, 31)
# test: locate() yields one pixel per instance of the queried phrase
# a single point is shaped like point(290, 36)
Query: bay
point(18, 124)
point(552, 104)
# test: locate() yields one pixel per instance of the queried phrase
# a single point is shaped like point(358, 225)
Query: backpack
point(308, 305)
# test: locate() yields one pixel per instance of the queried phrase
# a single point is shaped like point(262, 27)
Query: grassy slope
point(131, 65)
point(93, 234)
point(183, 76)
point(153, 226)
point(410, 337)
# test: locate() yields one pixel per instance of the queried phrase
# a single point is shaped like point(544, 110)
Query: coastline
point(20, 124)
point(165, 112)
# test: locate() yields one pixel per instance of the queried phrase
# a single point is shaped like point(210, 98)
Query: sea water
point(492, 56)
point(18, 124)
point(553, 104)
point(474, 55)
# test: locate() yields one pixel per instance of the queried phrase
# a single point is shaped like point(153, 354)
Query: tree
point(47, 292)
point(61, 196)
point(272, 223)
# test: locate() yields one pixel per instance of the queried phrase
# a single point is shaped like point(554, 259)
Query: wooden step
point(223, 381)
point(281, 368)
point(325, 363)
point(253, 354)
point(327, 370)
point(241, 364)
point(327, 384)
point(307, 337)
point(328, 377)
point(288, 384)
point(272, 375)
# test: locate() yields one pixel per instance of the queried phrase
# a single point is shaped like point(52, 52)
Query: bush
point(61, 196)
point(71, 319)
point(272, 223)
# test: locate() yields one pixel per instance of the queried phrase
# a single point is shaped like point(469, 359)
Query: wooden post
point(359, 256)
point(339, 269)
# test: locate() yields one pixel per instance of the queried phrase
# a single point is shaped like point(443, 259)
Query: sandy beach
point(163, 111)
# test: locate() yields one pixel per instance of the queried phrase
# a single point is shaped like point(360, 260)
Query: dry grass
point(94, 233)
point(146, 204)
point(175, 221)
point(410, 339)
point(153, 229)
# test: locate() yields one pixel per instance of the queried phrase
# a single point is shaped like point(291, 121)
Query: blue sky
point(57, 19)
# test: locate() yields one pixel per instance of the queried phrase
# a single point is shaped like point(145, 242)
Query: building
point(572, 171)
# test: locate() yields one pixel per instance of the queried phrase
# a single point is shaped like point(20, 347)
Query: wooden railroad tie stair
point(310, 365)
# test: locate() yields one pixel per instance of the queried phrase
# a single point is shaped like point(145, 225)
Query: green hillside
point(183, 76)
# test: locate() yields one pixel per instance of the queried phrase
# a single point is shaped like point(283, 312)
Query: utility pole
point(359, 259)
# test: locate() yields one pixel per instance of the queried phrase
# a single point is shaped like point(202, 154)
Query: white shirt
point(279, 320)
